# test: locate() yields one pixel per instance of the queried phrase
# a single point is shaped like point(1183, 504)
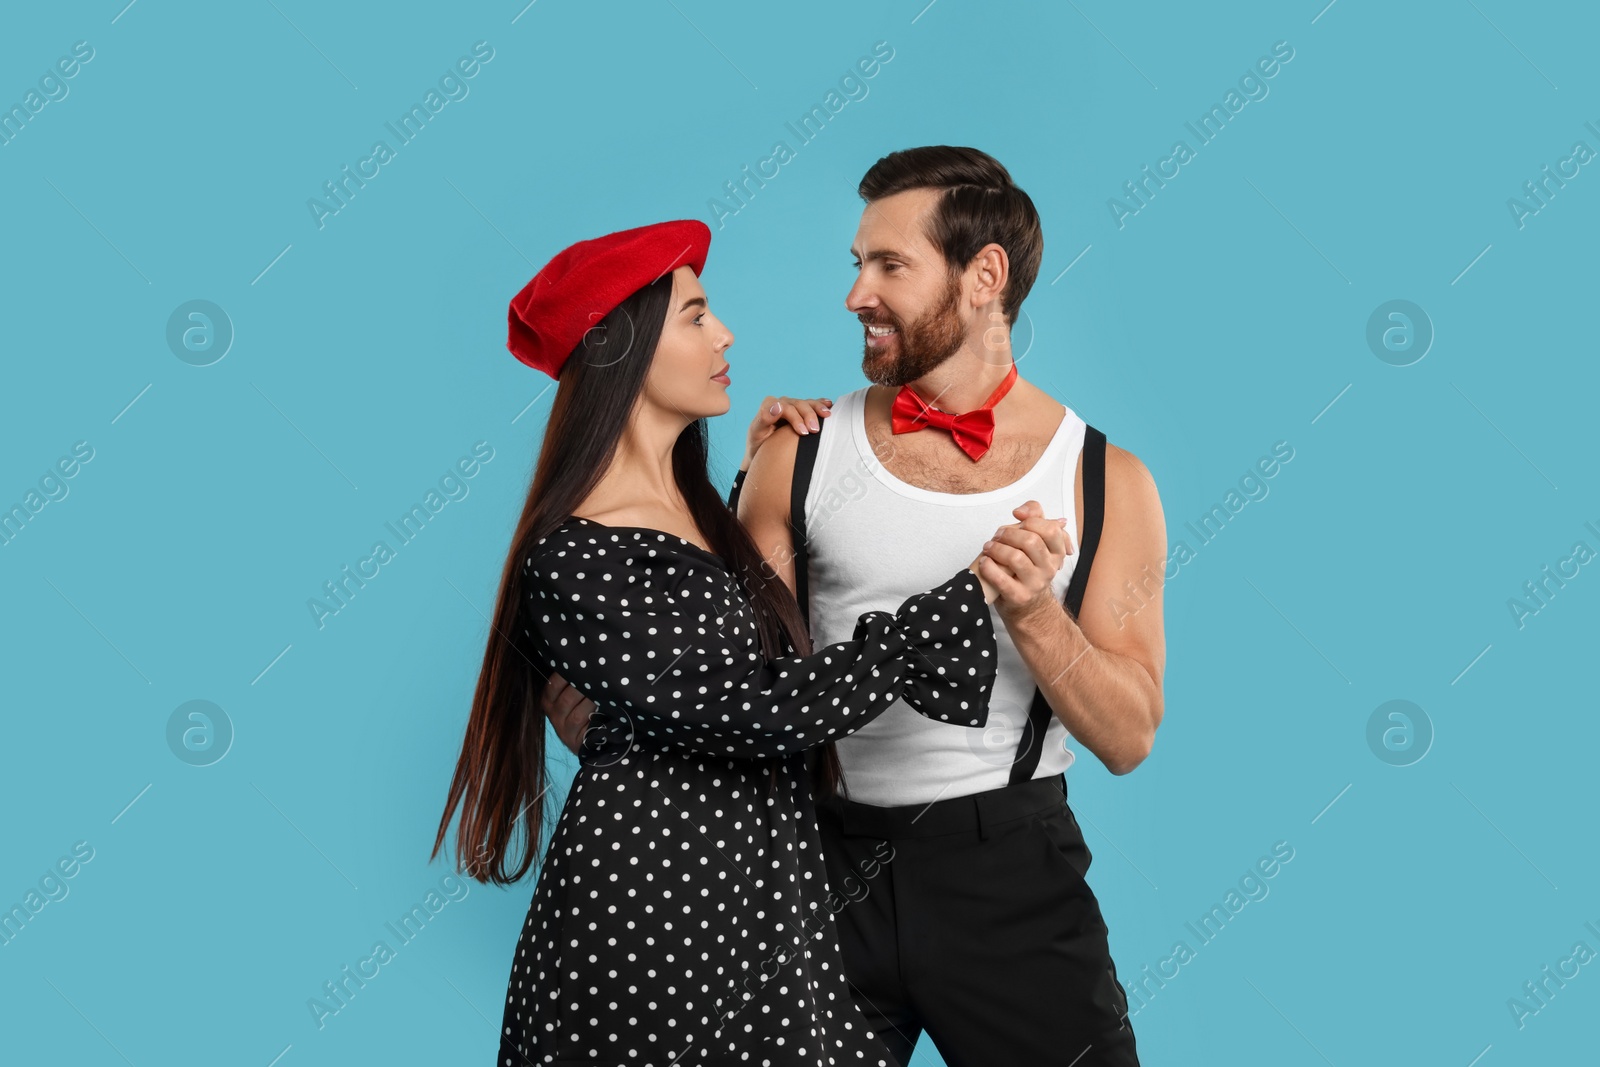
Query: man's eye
point(891, 267)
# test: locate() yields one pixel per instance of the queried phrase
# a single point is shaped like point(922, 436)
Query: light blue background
point(1229, 314)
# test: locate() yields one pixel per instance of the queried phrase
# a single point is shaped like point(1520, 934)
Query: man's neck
point(967, 379)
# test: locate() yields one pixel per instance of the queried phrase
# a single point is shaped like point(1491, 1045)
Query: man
point(980, 928)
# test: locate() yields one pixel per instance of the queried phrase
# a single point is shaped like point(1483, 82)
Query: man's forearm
point(1109, 702)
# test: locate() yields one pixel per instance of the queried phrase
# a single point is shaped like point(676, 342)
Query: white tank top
point(874, 540)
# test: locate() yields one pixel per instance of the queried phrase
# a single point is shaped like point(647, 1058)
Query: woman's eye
point(698, 317)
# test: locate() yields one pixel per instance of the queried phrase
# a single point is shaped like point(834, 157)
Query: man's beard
point(921, 345)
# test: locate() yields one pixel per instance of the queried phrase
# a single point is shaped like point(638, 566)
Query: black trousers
point(970, 918)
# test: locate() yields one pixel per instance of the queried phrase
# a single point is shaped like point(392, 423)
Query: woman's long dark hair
point(500, 778)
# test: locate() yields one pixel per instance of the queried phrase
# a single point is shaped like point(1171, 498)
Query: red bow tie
point(972, 430)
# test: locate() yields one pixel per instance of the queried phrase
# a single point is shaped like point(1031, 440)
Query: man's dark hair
point(980, 205)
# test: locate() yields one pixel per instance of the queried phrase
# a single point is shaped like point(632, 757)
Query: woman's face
point(685, 375)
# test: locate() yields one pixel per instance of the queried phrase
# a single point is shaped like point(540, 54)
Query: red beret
point(585, 282)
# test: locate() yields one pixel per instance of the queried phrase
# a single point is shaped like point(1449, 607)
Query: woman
point(679, 917)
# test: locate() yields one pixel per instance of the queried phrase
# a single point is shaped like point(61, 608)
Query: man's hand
point(1021, 561)
point(568, 711)
point(802, 415)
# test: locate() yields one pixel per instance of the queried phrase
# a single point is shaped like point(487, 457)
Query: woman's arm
point(666, 649)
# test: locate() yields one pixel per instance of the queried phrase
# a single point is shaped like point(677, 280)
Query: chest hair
point(930, 462)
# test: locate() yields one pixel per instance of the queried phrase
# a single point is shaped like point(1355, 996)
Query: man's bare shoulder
point(765, 494)
point(764, 501)
point(1130, 484)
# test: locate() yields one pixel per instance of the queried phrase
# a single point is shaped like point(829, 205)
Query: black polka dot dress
point(682, 915)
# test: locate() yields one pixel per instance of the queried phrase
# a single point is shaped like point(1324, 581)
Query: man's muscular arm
point(1101, 674)
point(764, 500)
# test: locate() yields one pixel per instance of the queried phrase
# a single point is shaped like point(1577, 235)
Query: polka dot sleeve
point(666, 647)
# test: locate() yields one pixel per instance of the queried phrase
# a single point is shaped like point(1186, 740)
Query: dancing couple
point(821, 802)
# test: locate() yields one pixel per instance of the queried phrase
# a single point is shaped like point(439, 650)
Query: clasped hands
point(1017, 565)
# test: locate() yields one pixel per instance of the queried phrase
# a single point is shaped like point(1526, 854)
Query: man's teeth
point(880, 331)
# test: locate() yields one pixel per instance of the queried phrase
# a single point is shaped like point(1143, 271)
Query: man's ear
point(990, 270)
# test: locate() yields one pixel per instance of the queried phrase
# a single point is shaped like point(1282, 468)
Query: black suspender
point(1031, 746)
point(805, 460)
